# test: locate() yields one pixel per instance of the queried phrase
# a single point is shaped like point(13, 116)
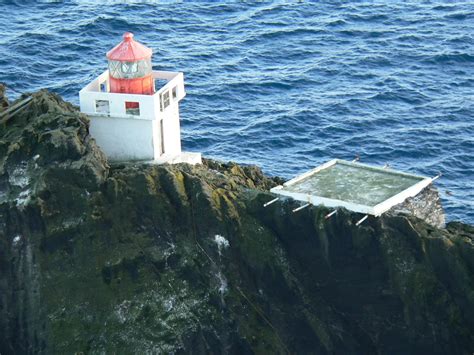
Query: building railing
point(95, 98)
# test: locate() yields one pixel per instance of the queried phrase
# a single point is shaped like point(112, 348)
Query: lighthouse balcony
point(97, 100)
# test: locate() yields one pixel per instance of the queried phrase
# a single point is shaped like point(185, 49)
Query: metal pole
point(329, 215)
point(14, 109)
point(270, 202)
point(362, 220)
point(300, 208)
point(437, 177)
point(17, 105)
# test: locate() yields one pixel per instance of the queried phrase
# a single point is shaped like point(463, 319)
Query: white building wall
point(123, 138)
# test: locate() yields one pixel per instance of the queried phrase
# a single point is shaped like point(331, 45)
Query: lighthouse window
point(174, 93)
point(132, 108)
point(166, 99)
point(144, 67)
point(129, 67)
point(103, 86)
point(114, 69)
point(102, 106)
point(129, 70)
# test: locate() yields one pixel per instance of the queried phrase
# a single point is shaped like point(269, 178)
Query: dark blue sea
point(285, 85)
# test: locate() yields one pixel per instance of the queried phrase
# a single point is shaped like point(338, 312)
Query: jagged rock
point(426, 206)
point(3, 98)
point(140, 258)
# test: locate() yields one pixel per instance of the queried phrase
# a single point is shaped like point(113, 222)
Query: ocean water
point(284, 85)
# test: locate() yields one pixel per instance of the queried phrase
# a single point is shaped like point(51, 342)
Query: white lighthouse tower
point(134, 110)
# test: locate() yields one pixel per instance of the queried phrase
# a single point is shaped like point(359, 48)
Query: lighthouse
point(134, 110)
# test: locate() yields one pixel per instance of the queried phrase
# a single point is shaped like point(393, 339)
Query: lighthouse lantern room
point(130, 67)
point(129, 118)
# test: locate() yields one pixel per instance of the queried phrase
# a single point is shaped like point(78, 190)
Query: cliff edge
point(142, 258)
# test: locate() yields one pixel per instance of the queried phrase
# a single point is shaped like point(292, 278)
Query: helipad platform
point(358, 187)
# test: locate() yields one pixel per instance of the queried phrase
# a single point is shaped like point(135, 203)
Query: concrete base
point(301, 189)
point(185, 157)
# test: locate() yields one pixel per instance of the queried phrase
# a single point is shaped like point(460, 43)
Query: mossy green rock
point(143, 258)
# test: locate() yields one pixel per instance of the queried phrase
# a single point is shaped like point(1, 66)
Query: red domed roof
point(129, 50)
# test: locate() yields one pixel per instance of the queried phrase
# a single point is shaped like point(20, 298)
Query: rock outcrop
point(3, 98)
point(142, 258)
point(426, 205)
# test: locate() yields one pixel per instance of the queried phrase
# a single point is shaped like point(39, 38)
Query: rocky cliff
point(140, 258)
